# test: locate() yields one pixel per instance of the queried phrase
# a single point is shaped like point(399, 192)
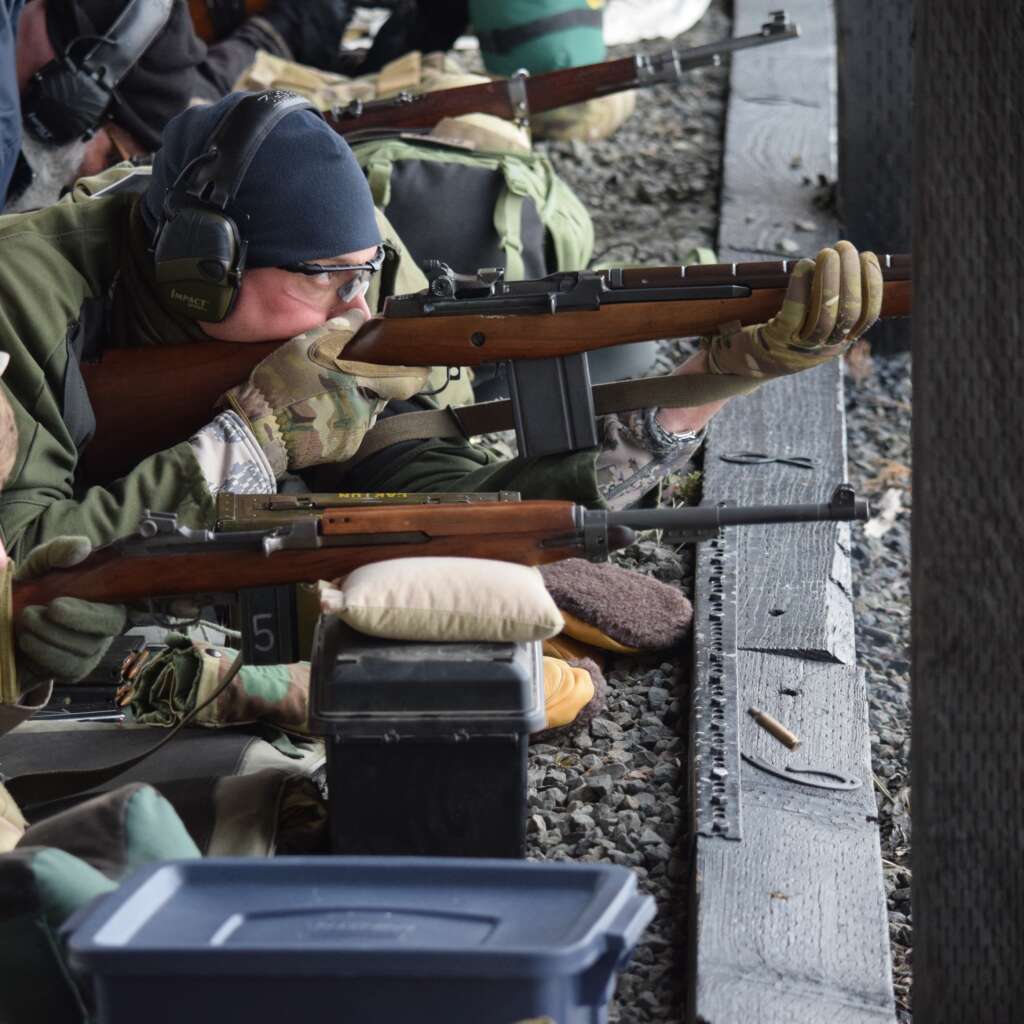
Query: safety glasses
point(324, 283)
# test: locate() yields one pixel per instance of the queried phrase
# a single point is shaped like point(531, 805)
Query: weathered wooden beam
point(788, 907)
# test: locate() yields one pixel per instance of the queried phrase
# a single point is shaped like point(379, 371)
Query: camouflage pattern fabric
point(231, 459)
point(831, 301)
point(187, 672)
point(306, 407)
point(273, 811)
point(62, 865)
point(117, 832)
point(636, 455)
point(275, 694)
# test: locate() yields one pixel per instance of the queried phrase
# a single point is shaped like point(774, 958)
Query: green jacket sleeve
point(169, 481)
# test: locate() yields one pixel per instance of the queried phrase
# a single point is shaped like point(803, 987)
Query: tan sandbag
point(413, 72)
point(588, 121)
point(452, 600)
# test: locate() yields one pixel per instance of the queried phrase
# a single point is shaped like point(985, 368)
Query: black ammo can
point(426, 742)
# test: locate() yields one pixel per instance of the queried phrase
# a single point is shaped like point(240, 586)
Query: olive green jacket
point(59, 273)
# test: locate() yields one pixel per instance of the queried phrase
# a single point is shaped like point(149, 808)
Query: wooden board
point(789, 922)
point(794, 585)
point(780, 133)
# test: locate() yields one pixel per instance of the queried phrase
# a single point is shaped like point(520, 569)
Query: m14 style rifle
point(518, 97)
point(166, 559)
point(542, 330)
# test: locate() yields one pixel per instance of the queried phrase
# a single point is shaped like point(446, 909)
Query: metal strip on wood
point(714, 713)
point(790, 922)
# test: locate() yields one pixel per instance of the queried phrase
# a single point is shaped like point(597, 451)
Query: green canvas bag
point(474, 208)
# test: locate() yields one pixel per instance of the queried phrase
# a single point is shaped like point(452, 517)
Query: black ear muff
point(199, 263)
point(71, 96)
point(198, 249)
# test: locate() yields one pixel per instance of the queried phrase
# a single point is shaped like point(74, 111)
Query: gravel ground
point(612, 793)
point(878, 432)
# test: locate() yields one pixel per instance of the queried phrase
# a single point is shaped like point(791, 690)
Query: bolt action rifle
point(147, 399)
point(261, 541)
point(518, 97)
point(514, 98)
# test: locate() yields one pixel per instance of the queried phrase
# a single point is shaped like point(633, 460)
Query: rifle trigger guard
point(518, 98)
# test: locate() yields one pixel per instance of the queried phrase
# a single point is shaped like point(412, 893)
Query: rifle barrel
point(711, 517)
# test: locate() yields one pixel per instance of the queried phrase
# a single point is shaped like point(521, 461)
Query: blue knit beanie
point(304, 197)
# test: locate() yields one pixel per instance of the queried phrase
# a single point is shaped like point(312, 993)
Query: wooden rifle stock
point(527, 532)
point(149, 398)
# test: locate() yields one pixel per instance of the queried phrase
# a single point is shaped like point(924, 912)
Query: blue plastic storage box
point(377, 940)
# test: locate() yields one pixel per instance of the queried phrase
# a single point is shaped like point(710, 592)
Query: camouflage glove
point(66, 639)
point(831, 301)
point(307, 407)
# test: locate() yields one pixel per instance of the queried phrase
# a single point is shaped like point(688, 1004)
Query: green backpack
point(473, 208)
point(539, 35)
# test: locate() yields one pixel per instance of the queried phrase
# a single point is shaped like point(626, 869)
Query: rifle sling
point(40, 787)
point(488, 417)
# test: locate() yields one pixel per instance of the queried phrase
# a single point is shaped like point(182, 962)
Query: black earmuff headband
point(198, 248)
point(71, 96)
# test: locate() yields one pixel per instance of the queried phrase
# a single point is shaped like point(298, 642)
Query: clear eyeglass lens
point(326, 289)
point(356, 287)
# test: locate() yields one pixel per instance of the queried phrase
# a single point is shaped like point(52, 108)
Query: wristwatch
point(663, 441)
